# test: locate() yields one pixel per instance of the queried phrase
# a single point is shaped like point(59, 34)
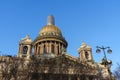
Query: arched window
point(86, 55)
point(52, 48)
point(39, 50)
point(25, 49)
point(44, 49)
point(58, 49)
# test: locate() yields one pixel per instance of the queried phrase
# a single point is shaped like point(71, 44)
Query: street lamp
point(105, 62)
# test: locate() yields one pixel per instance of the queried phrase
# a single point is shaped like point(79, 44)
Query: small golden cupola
point(50, 39)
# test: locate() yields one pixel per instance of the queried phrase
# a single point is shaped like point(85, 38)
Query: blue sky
point(96, 22)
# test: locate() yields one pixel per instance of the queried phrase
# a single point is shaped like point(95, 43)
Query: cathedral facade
point(46, 58)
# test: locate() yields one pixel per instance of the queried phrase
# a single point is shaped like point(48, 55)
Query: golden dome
point(50, 28)
point(50, 31)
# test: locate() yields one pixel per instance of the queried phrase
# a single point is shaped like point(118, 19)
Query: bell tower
point(85, 53)
point(25, 47)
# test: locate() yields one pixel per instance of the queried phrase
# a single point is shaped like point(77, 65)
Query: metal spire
point(50, 20)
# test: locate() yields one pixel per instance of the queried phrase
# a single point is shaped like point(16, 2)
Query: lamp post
point(105, 62)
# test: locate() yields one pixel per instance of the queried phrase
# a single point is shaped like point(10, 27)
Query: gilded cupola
point(49, 39)
point(50, 27)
